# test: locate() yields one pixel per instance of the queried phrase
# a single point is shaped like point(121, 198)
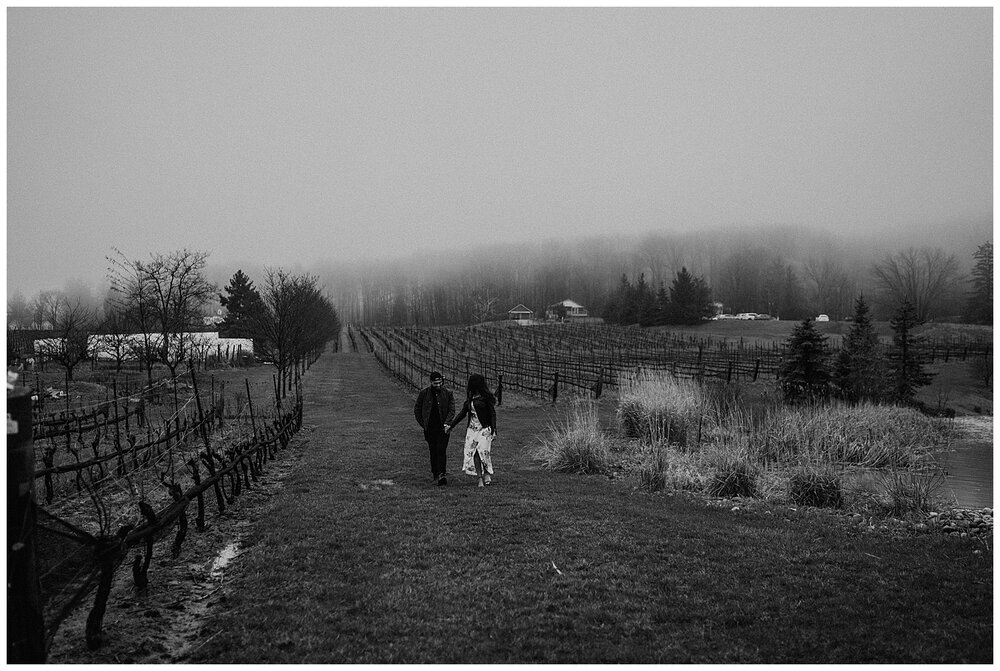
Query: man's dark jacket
point(425, 403)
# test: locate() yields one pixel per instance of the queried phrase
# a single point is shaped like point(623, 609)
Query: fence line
point(192, 445)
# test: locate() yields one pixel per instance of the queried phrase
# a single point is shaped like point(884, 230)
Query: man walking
point(434, 408)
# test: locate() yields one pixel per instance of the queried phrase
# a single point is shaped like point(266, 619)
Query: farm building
point(206, 344)
point(565, 309)
point(520, 313)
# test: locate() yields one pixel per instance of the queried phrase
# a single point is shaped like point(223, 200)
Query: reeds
point(578, 444)
point(669, 468)
point(911, 492)
point(659, 409)
point(816, 486)
point(733, 473)
point(727, 441)
point(866, 435)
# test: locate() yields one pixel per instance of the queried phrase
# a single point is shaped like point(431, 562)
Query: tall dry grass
point(866, 435)
point(578, 444)
point(660, 409)
point(725, 442)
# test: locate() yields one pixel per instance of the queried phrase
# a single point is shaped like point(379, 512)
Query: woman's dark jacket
point(484, 409)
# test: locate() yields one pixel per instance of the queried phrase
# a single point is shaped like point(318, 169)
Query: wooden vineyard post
point(25, 624)
point(201, 414)
point(277, 393)
point(196, 476)
point(253, 422)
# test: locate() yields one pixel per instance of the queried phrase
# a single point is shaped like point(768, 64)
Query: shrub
point(863, 434)
point(816, 487)
point(578, 445)
point(732, 475)
point(652, 470)
point(658, 408)
point(664, 467)
point(908, 492)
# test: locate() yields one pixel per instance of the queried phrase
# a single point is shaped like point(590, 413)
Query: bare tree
point(131, 295)
point(115, 337)
point(295, 321)
point(18, 312)
point(165, 296)
point(44, 308)
point(920, 276)
point(482, 307)
point(833, 288)
point(73, 323)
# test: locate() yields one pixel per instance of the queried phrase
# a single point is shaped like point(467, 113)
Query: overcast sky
point(293, 136)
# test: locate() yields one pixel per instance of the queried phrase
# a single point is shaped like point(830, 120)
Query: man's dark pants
point(437, 441)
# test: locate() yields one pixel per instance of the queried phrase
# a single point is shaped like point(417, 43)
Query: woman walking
point(479, 406)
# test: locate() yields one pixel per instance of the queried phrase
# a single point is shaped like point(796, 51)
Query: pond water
point(967, 468)
point(969, 472)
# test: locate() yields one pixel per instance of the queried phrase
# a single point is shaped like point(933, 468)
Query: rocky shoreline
point(956, 522)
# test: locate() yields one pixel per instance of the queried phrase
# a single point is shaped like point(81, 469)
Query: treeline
point(863, 370)
point(785, 272)
point(155, 307)
point(289, 320)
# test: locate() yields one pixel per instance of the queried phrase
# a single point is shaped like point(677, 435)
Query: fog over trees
point(787, 272)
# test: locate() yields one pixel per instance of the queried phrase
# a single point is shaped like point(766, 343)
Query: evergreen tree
point(662, 306)
point(690, 299)
point(617, 306)
point(243, 303)
point(860, 370)
point(979, 307)
point(805, 370)
point(906, 366)
point(643, 303)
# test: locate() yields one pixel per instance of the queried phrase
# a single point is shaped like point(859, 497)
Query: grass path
point(360, 559)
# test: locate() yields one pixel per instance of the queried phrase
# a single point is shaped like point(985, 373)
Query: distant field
point(957, 384)
point(767, 331)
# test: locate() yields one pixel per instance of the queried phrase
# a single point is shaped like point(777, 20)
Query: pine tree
point(662, 310)
point(643, 303)
point(906, 366)
point(860, 370)
point(690, 299)
point(979, 307)
point(242, 303)
point(617, 307)
point(805, 370)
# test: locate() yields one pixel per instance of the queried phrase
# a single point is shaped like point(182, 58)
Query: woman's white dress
point(477, 439)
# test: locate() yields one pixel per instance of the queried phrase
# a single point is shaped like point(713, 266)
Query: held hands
point(447, 428)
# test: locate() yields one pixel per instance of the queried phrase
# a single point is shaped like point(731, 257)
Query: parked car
point(723, 316)
point(763, 316)
point(747, 315)
point(823, 318)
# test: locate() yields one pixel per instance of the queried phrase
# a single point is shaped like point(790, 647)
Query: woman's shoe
point(487, 479)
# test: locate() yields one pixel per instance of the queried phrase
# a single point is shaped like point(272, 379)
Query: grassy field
point(960, 385)
point(360, 559)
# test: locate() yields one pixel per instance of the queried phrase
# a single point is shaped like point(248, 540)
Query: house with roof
point(520, 313)
point(565, 309)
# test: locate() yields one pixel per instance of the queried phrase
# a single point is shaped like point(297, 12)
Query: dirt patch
point(165, 623)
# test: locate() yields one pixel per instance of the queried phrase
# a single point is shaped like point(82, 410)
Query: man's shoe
point(442, 481)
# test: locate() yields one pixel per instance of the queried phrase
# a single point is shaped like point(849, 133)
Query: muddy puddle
point(166, 622)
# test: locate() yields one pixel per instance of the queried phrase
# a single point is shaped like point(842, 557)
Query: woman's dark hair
point(477, 385)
